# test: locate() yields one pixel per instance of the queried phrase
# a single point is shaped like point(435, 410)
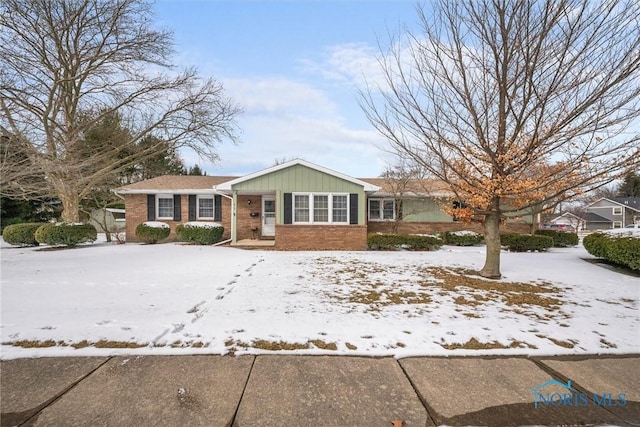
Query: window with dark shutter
point(177, 210)
point(217, 207)
point(353, 208)
point(192, 207)
point(288, 208)
point(151, 207)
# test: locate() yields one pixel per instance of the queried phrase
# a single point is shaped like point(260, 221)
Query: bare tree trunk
point(491, 226)
point(70, 206)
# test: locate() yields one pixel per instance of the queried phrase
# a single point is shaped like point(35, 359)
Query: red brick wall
point(244, 221)
point(293, 237)
point(439, 227)
point(136, 207)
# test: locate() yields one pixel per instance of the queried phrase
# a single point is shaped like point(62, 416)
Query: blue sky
point(294, 67)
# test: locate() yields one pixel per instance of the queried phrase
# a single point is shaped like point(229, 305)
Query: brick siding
point(293, 237)
point(244, 221)
point(136, 207)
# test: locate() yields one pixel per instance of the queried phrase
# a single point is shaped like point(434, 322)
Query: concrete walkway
point(319, 391)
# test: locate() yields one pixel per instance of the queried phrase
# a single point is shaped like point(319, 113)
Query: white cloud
point(278, 95)
point(355, 63)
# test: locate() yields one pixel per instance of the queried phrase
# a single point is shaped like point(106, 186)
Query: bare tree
point(403, 182)
point(514, 102)
point(68, 64)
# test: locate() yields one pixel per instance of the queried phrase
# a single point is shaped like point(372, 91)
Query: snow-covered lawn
point(177, 299)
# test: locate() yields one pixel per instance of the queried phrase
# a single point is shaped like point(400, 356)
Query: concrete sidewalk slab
point(28, 385)
point(495, 392)
point(328, 390)
point(157, 390)
point(606, 376)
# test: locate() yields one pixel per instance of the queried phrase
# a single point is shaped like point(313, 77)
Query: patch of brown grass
point(351, 346)
point(565, 344)
point(324, 345)
point(474, 344)
point(278, 345)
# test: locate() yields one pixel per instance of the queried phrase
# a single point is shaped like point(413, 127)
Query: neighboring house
point(569, 220)
point(108, 219)
point(297, 205)
point(612, 213)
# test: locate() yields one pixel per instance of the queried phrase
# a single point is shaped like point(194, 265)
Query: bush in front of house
point(623, 250)
point(596, 244)
point(413, 242)
point(202, 233)
point(152, 231)
point(65, 234)
point(561, 239)
point(21, 234)
point(516, 242)
point(462, 238)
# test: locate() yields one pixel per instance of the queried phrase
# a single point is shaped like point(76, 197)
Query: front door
point(268, 216)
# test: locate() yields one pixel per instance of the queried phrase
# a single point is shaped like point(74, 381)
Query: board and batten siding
point(301, 179)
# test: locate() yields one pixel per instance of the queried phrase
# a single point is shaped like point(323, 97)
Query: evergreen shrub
point(205, 233)
point(412, 242)
point(152, 232)
point(21, 234)
point(516, 242)
point(65, 234)
point(561, 239)
point(462, 238)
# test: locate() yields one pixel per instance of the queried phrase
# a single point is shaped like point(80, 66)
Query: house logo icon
point(540, 397)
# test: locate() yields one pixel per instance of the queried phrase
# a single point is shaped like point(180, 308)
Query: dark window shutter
point(177, 212)
point(192, 207)
point(353, 208)
point(288, 208)
point(217, 208)
point(151, 207)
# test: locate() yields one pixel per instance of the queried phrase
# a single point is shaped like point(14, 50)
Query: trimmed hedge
point(21, 234)
point(202, 235)
point(596, 244)
point(561, 239)
point(458, 238)
point(412, 242)
point(64, 234)
point(150, 234)
point(516, 242)
point(623, 250)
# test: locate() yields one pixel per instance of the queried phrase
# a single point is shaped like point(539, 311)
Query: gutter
point(233, 218)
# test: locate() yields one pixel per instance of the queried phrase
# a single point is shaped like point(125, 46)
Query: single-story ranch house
point(295, 205)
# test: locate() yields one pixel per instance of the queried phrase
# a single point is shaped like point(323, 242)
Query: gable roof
point(567, 214)
point(226, 186)
point(185, 184)
point(592, 217)
point(632, 203)
point(414, 188)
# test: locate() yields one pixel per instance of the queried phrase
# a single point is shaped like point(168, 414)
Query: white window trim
point(617, 209)
point(380, 217)
point(164, 196)
point(205, 196)
point(330, 207)
point(617, 224)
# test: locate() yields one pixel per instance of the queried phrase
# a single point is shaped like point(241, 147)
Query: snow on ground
point(180, 299)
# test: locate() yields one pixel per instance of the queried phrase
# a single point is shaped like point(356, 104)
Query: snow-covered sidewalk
point(178, 299)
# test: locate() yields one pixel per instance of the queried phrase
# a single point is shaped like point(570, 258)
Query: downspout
point(233, 221)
